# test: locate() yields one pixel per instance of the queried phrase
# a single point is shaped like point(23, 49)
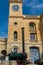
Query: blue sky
point(30, 7)
point(33, 7)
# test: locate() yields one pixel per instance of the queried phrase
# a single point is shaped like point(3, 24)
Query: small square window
point(32, 36)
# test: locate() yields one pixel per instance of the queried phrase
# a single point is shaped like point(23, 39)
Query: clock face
point(15, 7)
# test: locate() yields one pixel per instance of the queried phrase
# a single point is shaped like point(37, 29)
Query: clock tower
point(14, 29)
point(15, 7)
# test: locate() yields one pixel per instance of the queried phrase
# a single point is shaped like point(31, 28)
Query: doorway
point(34, 54)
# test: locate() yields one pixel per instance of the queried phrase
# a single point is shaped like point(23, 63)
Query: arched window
point(32, 26)
point(32, 29)
point(15, 35)
point(15, 49)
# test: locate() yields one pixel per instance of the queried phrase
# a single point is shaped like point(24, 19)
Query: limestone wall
point(3, 44)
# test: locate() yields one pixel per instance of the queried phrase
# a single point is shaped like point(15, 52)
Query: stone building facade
point(3, 44)
point(33, 32)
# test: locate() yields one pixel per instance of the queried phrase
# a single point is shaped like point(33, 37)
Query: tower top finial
point(16, 1)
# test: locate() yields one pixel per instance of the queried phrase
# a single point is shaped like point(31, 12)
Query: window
point(15, 23)
point(32, 36)
point(15, 50)
point(32, 26)
point(15, 35)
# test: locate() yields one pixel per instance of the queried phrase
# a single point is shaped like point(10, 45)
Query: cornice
point(3, 39)
point(31, 17)
point(14, 16)
point(25, 17)
point(15, 1)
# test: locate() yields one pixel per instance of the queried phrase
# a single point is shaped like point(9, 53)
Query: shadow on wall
point(41, 32)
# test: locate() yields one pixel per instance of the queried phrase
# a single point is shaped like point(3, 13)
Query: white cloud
point(38, 6)
point(35, 6)
point(31, 2)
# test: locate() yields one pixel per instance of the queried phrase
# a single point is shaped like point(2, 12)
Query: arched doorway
point(34, 54)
